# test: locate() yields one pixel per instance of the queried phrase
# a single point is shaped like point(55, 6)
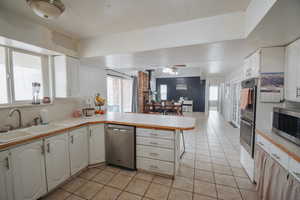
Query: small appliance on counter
point(88, 112)
point(286, 123)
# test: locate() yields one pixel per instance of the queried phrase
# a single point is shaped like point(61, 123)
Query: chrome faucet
point(11, 112)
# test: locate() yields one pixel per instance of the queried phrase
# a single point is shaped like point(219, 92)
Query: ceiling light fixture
point(171, 71)
point(48, 9)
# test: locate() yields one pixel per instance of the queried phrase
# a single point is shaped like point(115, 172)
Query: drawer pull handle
point(262, 144)
point(276, 156)
point(154, 134)
point(153, 154)
point(153, 167)
point(7, 163)
point(154, 143)
point(48, 147)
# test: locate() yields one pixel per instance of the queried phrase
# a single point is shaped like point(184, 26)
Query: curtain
point(273, 181)
point(134, 95)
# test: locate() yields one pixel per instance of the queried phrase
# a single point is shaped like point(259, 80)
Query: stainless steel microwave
point(286, 123)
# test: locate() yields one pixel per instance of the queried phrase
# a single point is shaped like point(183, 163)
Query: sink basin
point(42, 129)
point(13, 135)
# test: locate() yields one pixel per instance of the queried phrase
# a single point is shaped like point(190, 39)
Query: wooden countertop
point(286, 146)
point(161, 122)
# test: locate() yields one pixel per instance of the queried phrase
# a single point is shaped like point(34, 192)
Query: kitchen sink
point(13, 135)
point(40, 129)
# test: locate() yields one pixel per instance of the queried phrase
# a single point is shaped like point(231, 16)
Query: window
point(119, 94)
point(18, 70)
point(3, 80)
point(213, 93)
point(163, 92)
point(27, 69)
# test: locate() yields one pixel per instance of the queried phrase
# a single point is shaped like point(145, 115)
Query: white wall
point(20, 29)
point(199, 31)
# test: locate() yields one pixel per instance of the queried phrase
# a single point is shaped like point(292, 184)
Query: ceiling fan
point(48, 9)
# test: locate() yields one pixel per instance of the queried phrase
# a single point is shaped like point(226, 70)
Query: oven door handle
point(245, 122)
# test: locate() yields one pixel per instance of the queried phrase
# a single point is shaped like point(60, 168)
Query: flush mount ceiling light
point(48, 9)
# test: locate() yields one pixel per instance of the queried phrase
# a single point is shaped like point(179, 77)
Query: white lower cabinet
point(78, 143)
point(57, 160)
point(155, 151)
point(96, 144)
point(6, 187)
point(28, 169)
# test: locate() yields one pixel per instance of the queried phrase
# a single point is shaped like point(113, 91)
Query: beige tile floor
point(209, 170)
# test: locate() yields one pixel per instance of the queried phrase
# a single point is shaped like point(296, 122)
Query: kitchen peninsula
point(59, 150)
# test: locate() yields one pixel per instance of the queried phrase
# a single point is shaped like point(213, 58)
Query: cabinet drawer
point(155, 153)
point(265, 144)
point(294, 168)
point(155, 133)
point(155, 166)
point(280, 156)
point(157, 142)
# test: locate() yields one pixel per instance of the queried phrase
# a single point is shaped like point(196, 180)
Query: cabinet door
point(291, 72)
point(57, 160)
point(78, 150)
point(61, 73)
point(96, 144)
point(28, 168)
point(297, 69)
point(6, 188)
point(73, 65)
point(256, 64)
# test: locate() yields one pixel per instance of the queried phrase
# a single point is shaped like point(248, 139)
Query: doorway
point(213, 97)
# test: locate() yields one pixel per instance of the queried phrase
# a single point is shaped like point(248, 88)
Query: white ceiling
point(213, 59)
point(89, 18)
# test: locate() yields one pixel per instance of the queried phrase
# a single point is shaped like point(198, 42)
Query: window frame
point(45, 70)
point(121, 90)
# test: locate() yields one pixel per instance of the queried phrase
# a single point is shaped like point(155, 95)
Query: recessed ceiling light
point(48, 9)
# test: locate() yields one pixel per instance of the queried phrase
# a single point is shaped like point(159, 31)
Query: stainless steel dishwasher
point(120, 145)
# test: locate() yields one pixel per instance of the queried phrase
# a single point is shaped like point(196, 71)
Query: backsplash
point(60, 109)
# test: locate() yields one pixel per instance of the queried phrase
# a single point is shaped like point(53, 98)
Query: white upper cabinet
point(96, 144)
point(28, 168)
point(292, 72)
point(6, 187)
point(265, 60)
point(66, 71)
point(78, 143)
point(252, 65)
point(57, 160)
